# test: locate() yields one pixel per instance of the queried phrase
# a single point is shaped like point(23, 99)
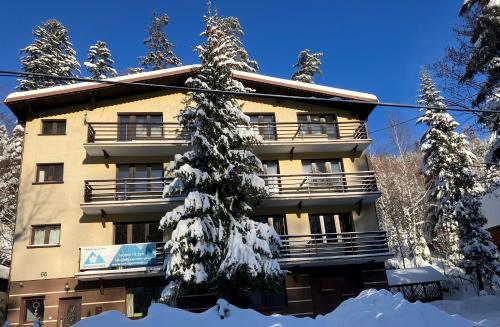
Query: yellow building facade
point(92, 175)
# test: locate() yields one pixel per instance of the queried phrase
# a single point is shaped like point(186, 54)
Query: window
point(318, 125)
point(140, 298)
point(274, 299)
point(49, 173)
point(278, 222)
point(148, 181)
point(138, 233)
point(265, 125)
point(45, 235)
point(53, 127)
point(33, 308)
point(330, 224)
point(272, 182)
point(323, 175)
point(140, 126)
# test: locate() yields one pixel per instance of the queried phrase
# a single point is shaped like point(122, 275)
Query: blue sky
point(371, 46)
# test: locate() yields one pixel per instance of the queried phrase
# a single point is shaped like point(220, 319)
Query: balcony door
point(139, 126)
point(318, 126)
point(272, 182)
point(138, 232)
point(326, 175)
point(278, 222)
point(139, 180)
point(321, 224)
point(265, 125)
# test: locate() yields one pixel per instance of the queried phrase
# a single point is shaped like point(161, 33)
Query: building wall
point(48, 269)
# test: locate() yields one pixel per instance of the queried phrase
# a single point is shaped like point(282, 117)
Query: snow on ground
point(369, 308)
point(473, 308)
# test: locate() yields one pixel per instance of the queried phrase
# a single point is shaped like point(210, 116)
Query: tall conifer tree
point(213, 241)
point(50, 53)
point(308, 66)
point(99, 61)
point(160, 53)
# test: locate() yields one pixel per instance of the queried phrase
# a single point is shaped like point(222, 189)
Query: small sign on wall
point(125, 255)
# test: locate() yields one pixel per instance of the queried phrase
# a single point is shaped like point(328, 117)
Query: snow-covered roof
point(4, 272)
point(413, 276)
point(141, 77)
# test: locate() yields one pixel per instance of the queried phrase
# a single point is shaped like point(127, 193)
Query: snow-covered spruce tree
point(160, 53)
point(10, 165)
point(308, 65)
point(479, 254)
point(99, 62)
point(232, 29)
point(50, 53)
point(445, 161)
point(484, 58)
point(213, 241)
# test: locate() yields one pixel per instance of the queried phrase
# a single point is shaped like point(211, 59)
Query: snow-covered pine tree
point(213, 241)
point(99, 62)
point(445, 161)
point(484, 58)
point(308, 65)
point(232, 28)
point(479, 254)
point(160, 53)
point(50, 53)
point(10, 165)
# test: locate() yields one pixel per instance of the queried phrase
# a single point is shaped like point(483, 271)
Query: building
point(91, 196)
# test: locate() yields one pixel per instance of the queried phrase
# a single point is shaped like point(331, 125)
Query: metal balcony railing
point(333, 246)
point(173, 132)
point(280, 184)
point(307, 249)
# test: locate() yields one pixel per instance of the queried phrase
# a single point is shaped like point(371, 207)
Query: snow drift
point(369, 308)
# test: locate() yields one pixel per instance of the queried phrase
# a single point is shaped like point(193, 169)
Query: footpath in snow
point(369, 308)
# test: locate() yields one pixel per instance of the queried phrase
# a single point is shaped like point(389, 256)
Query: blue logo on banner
point(94, 259)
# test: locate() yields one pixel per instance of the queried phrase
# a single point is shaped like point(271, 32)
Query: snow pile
point(4, 272)
point(369, 308)
point(474, 308)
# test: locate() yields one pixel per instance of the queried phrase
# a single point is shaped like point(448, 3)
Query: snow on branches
point(213, 241)
point(308, 65)
point(99, 62)
point(10, 165)
point(50, 53)
point(160, 53)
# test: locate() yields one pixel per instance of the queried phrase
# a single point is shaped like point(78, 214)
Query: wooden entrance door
point(329, 291)
point(69, 311)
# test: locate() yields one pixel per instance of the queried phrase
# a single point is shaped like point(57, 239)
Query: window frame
point(129, 232)
point(37, 176)
point(268, 133)
point(24, 300)
point(46, 243)
point(131, 129)
point(54, 127)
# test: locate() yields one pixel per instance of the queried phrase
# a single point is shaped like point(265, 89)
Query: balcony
point(121, 196)
point(147, 259)
point(133, 139)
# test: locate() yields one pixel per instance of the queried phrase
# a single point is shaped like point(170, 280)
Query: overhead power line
point(10, 73)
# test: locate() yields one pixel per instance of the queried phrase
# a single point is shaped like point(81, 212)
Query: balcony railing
point(333, 246)
point(310, 250)
point(278, 185)
point(173, 132)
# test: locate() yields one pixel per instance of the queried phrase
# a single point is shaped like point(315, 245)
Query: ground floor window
point(271, 299)
point(140, 298)
point(33, 308)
